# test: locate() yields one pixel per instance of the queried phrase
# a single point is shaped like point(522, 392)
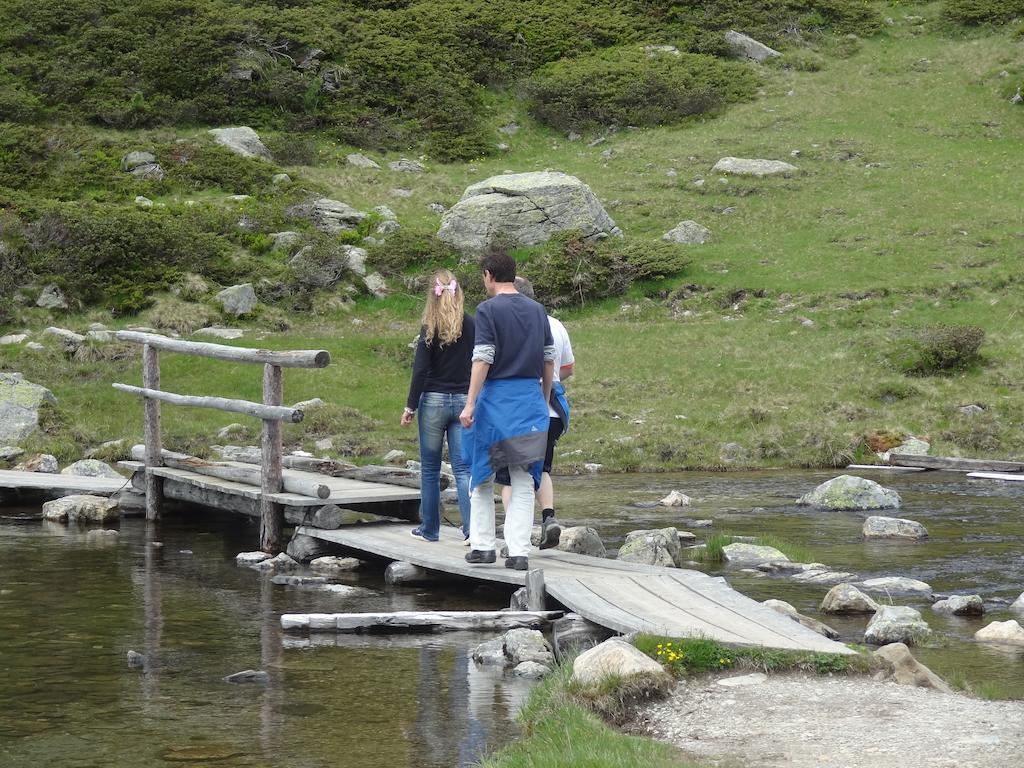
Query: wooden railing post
point(151, 425)
point(271, 514)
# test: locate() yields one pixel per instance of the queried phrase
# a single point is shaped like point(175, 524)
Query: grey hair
point(525, 287)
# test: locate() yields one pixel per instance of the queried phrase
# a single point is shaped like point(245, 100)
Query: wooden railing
point(271, 411)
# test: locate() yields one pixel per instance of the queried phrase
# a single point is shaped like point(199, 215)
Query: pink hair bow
point(439, 287)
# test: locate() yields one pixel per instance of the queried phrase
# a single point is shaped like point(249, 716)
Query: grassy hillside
point(788, 334)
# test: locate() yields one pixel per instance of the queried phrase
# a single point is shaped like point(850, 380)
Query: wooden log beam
point(416, 621)
point(369, 473)
point(536, 598)
point(306, 358)
point(248, 475)
point(151, 427)
point(272, 514)
point(955, 464)
point(260, 411)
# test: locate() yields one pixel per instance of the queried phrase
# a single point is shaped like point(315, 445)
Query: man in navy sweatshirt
point(505, 421)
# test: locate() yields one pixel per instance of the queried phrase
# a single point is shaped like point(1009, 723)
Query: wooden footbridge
point(624, 597)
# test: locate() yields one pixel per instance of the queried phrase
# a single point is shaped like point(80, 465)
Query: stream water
point(72, 606)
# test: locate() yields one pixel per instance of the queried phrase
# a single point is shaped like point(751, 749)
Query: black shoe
point(518, 563)
point(550, 533)
point(481, 556)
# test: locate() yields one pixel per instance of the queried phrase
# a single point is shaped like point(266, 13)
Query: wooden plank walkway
point(1018, 478)
point(954, 464)
point(624, 597)
point(60, 485)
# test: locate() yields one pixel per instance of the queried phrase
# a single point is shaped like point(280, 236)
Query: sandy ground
point(819, 722)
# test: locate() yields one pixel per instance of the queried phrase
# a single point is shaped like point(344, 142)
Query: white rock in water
point(896, 624)
point(878, 527)
point(651, 547)
point(745, 47)
point(241, 140)
point(846, 599)
point(1006, 632)
point(896, 585)
point(531, 670)
point(527, 645)
point(335, 564)
point(739, 553)
point(92, 468)
point(81, 507)
point(615, 658)
point(582, 540)
point(848, 492)
point(688, 233)
point(740, 166)
point(523, 209)
point(961, 605)
point(491, 653)
point(251, 558)
point(675, 499)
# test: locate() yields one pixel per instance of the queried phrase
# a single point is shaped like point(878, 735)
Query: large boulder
point(846, 599)
point(238, 300)
point(741, 553)
point(849, 492)
point(741, 166)
point(361, 161)
point(523, 209)
point(657, 547)
point(618, 659)
point(582, 540)
point(81, 508)
point(878, 527)
point(92, 468)
point(901, 667)
point(20, 401)
point(745, 47)
point(1004, 632)
point(896, 624)
point(241, 140)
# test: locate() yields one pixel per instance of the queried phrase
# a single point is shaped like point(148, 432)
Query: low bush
point(118, 257)
point(410, 250)
point(975, 12)
point(938, 349)
point(627, 86)
point(569, 270)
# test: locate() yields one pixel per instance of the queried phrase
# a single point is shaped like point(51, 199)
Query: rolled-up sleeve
point(484, 353)
point(484, 344)
point(549, 352)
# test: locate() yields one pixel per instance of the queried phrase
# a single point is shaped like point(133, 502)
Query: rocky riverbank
point(798, 721)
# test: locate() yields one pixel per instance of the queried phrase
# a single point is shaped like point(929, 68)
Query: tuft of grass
point(713, 546)
point(701, 655)
point(561, 732)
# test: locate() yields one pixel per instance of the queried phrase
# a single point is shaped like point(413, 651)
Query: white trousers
point(518, 516)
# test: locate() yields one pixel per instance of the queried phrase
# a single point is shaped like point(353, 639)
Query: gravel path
point(797, 721)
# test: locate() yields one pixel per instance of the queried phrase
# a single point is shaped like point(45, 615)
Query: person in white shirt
point(558, 424)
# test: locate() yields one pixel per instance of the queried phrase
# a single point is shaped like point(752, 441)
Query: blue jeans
point(437, 416)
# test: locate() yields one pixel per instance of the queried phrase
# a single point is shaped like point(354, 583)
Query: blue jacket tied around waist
point(510, 429)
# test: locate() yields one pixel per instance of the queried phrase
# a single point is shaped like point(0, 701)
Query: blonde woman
point(437, 395)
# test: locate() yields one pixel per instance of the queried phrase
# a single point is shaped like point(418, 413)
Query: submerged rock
point(251, 558)
point(848, 492)
point(491, 653)
point(335, 564)
point(960, 605)
point(249, 676)
point(81, 508)
point(896, 585)
point(878, 527)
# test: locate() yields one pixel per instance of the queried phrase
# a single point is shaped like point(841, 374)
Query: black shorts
point(555, 431)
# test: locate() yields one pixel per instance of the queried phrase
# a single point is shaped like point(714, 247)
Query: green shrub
point(570, 271)
point(975, 12)
point(408, 250)
point(626, 86)
point(938, 349)
point(118, 257)
point(209, 166)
